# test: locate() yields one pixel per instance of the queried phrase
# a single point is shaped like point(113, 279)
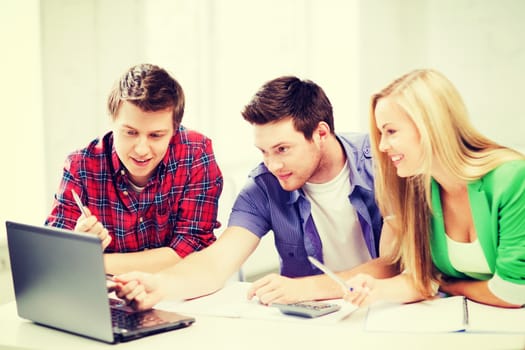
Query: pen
point(330, 273)
point(79, 203)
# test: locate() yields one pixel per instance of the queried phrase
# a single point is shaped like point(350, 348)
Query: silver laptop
point(60, 282)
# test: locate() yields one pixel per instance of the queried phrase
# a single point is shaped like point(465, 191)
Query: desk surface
point(235, 333)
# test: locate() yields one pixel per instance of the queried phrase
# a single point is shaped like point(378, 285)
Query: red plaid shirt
point(177, 208)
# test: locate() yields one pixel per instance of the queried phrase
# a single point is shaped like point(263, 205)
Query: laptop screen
point(59, 281)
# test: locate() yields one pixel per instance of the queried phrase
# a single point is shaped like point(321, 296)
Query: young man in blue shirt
point(314, 190)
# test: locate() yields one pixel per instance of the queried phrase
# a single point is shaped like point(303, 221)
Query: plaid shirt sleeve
point(196, 216)
point(64, 213)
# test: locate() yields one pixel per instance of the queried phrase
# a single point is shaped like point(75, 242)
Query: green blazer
point(497, 201)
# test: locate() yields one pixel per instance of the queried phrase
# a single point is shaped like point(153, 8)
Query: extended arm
point(274, 288)
point(198, 274)
point(151, 260)
point(474, 290)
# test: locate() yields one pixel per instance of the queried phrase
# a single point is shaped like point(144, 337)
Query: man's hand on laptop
point(139, 289)
point(90, 224)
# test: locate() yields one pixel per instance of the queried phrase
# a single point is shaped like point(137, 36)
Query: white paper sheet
point(231, 301)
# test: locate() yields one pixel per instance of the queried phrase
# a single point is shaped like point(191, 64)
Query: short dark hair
point(289, 97)
point(150, 88)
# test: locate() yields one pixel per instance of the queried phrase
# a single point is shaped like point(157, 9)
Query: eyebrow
point(277, 145)
point(280, 144)
point(151, 131)
point(385, 125)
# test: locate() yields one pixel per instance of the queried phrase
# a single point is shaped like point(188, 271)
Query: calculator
point(309, 309)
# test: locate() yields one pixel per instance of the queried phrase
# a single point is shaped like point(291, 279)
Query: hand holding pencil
point(356, 290)
point(364, 291)
point(89, 224)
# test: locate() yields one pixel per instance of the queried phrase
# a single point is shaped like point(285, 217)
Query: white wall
point(86, 46)
point(21, 139)
point(478, 44)
point(222, 51)
point(481, 46)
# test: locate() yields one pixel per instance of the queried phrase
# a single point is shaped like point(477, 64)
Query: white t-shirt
point(468, 257)
point(337, 223)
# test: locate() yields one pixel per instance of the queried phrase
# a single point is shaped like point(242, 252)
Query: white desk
point(234, 333)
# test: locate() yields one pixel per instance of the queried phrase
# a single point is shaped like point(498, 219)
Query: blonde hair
point(446, 137)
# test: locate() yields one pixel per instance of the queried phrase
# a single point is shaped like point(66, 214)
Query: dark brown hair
point(150, 88)
point(289, 97)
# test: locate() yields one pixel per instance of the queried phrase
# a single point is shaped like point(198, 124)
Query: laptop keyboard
point(116, 302)
point(125, 320)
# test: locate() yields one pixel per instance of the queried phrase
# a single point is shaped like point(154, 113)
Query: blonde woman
point(454, 198)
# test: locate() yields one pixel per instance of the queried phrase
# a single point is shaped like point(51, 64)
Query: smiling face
point(288, 155)
point(141, 139)
point(400, 138)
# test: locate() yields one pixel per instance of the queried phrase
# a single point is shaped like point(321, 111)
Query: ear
point(322, 131)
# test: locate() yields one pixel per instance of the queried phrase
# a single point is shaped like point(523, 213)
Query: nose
point(142, 146)
point(273, 164)
point(383, 144)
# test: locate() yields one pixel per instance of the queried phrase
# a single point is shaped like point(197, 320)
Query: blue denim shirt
point(263, 205)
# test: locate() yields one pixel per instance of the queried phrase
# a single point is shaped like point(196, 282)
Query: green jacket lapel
point(482, 220)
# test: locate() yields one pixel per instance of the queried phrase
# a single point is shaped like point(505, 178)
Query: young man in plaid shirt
point(150, 187)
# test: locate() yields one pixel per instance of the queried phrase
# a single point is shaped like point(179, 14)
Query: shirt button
point(141, 219)
point(122, 172)
point(125, 193)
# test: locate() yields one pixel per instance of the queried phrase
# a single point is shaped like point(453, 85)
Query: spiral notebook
point(452, 314)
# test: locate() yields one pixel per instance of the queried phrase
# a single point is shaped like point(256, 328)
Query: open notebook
point(452, 314)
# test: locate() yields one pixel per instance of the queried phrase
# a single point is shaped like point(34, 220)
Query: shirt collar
point(353, 157)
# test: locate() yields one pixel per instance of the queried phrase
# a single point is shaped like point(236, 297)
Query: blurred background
point(60, 58)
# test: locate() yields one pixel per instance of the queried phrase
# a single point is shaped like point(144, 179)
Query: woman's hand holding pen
point(363, 291)
point(368, 290)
